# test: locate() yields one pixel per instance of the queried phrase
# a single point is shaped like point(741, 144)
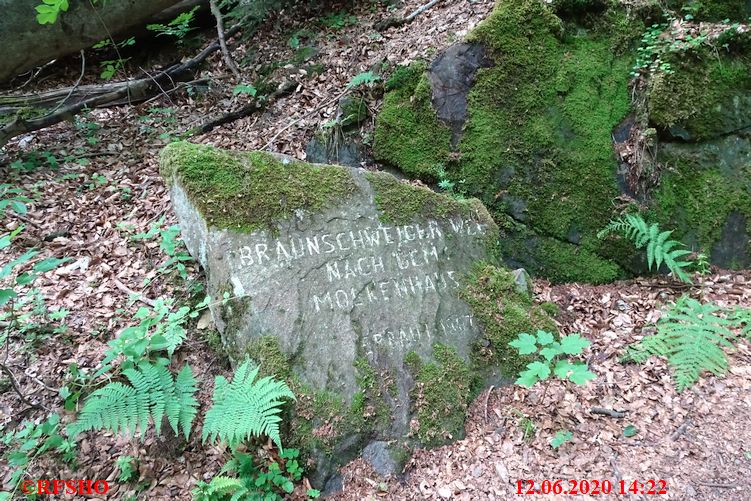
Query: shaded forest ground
point(95, 183)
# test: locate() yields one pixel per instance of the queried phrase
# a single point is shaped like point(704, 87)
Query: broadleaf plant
point(552, 358)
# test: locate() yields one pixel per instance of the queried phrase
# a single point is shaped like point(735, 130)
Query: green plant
point(12, 199)
point(246, 89)
point(561, 438)
point(33, 160)
point(253, 481)
point(153, 393)
point(160, 329)
point(365, 78)
point(178, 27)
point(701, 264)
point(170, 245)
point(244, 407)
point(111, 66)
point(48, 10)
point(659, 248)
point(692, 337)
point(31, 441)
point(657, 45)
point(339, 20)
point(552, 357)
point(128, 466)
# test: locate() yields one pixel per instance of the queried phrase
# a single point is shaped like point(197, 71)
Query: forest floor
point(95, 184)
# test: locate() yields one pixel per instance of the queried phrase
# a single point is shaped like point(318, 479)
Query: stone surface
point(367, 279)
point(451, 77)
point(377, 453)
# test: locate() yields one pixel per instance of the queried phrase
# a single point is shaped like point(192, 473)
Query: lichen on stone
point(246, 192)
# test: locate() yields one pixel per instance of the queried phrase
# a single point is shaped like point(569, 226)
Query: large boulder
point(358, 289)
point(547, 88)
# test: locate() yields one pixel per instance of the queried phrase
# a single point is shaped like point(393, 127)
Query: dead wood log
point(131, 91)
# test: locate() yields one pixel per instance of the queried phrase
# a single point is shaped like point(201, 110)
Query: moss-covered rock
point(537, 142)
point(537, 145)
point(713, 10)
point(440, 395)
point(504, 312)
point(408, 133)
point(706, 95)
point(250, 191)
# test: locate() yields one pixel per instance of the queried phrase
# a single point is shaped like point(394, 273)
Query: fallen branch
point(222, 42)
point(17, 389)
point(607, 412)
point(132, 91)
point(245, 111)
point(395, 21)
point(136, 295)
point(718, 486)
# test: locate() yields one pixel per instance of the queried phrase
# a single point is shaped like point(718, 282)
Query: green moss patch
point(503, 313)
point(251, 191)
point(441, 395)
point(402, 203)
point(408, 133)
point(699, 95)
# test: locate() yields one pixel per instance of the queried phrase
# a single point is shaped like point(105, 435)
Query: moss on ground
point(503, 313)
point(408, 133)
point(440, 396)
point(252, 191)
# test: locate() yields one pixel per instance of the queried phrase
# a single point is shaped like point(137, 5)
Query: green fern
point(152, 394)
point(659, 249)
point(741, 317)
point(219, 489)
point(244, 407)
point(691, 336)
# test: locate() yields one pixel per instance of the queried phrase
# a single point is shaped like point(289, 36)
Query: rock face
point(345, 282)
point(533, 133)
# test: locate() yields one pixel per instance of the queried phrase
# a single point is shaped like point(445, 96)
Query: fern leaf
point(152, 394)
point(692, 336)
point(187, 405)
point(226, 485)
point(245, 407)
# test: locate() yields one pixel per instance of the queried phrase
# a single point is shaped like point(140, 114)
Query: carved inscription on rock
point(378, 274)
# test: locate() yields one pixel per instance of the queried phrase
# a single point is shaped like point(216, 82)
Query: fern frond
point(741, 318)
point(226, 485)
point(244, 407)
point(152, 394)
point(692, 336)
point(659, 248)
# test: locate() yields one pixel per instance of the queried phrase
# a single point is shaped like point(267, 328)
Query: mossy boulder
point(335, 276)
point(536, 146)
point(537, 143)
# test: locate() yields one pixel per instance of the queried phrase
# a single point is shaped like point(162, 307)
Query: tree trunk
point(27, 44)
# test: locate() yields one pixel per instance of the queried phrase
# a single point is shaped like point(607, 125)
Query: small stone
point(444, 492)
point(523, 282)
point(478, 470)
